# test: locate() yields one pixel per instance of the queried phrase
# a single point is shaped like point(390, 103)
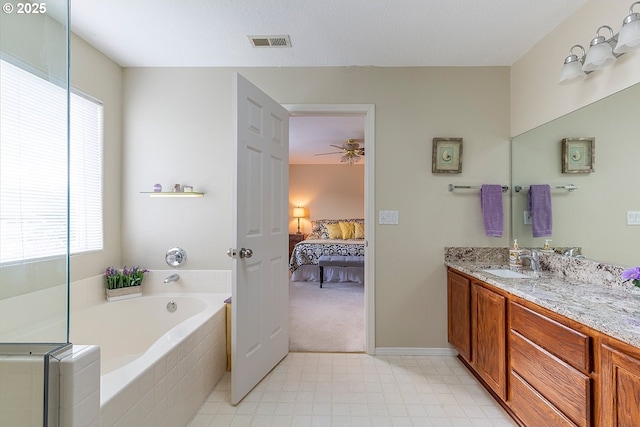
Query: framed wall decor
point(578, 155)
point(447, 155)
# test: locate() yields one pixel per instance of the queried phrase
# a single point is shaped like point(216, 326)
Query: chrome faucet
point(533, 258)
point(573, 252)
point(172, 278)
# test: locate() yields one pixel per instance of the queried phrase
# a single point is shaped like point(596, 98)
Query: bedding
point(327, 238)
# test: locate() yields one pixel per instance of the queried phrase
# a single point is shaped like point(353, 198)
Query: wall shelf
point(173, 194)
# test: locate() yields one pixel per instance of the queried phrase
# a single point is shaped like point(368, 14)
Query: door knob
point(243, 253)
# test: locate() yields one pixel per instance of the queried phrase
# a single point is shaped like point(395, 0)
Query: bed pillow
point(348, 229)
point(334, 231)
point(358, 231)
point(319, 226)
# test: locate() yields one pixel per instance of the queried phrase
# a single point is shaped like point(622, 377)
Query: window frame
point(95, 168)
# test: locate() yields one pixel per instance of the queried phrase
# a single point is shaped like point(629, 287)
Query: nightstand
point(293, 239)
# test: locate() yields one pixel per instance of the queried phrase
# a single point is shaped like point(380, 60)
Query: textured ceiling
point(195, 33)
point(214, 33)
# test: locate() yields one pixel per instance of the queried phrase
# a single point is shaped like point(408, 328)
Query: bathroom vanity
point(553, 351)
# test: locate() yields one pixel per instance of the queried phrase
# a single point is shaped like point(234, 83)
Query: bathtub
point(156, 366)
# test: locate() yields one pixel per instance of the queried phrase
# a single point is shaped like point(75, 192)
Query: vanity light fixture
point(572, 70)
point(602, 51)
point(629, 36)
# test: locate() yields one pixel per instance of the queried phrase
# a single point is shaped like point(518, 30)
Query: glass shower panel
point(34, 75)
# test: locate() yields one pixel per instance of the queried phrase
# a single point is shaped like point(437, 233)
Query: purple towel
point(492, 212)
point(540, 210)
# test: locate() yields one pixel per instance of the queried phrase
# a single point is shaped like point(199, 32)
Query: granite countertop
point(614, 311)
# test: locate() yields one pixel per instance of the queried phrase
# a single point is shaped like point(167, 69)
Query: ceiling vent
point(270, 41)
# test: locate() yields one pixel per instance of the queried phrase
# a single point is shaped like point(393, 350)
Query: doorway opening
point(339, 316)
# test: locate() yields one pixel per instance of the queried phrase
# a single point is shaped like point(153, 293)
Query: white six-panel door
point(260, 305)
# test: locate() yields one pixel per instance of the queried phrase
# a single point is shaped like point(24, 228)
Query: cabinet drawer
point(532, 408)
point(566, 388)
point(567, 344)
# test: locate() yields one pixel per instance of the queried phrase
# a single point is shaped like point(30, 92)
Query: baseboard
point(414, 351)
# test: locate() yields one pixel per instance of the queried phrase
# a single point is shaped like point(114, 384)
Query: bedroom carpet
point(330, 319)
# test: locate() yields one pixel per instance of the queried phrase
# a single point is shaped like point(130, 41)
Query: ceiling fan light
point(350, 158)
point(629, 36)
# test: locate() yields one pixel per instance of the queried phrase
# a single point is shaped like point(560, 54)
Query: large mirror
point(594, 216)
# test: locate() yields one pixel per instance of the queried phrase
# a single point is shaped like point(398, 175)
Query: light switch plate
point(633, 217)
point(388, 217)
point(527, 218)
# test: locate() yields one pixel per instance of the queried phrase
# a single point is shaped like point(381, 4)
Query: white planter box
point(124, 293)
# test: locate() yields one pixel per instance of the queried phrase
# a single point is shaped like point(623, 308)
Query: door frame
point(368, 110)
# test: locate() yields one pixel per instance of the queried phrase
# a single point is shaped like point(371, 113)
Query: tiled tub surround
point(586, 291)
point(166, 384)
point(170, 387)
point(169, 390)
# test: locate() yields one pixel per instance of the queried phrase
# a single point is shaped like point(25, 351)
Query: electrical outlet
point(633, 217)
point(527, 218)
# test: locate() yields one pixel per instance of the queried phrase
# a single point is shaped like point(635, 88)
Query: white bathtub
point(156, 366)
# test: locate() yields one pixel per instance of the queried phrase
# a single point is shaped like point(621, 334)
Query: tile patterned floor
point(347, 389)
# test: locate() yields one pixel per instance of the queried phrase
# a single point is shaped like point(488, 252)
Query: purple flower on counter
point(632, 274)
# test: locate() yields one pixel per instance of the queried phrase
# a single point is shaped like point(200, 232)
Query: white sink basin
point(508, 274)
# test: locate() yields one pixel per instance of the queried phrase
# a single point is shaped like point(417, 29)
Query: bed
point(329, 237)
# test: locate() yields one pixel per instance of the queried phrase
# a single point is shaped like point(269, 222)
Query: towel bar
point(452, 187)
point(569, 187)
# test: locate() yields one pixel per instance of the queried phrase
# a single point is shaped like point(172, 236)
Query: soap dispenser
point(547, 248)
point(515, 263)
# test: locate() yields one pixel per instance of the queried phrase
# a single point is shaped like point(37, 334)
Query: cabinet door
point(620, 388)
point(459, 314)
point(489, 337)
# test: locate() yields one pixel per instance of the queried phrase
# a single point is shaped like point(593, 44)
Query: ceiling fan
point(351, 151)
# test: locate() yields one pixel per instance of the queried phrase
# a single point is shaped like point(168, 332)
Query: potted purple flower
point(633, 275)
point(125, 283)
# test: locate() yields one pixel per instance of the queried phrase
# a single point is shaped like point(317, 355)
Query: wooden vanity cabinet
point(476, 328)
point(459, 314)
point(620, 385)
point(545, 369)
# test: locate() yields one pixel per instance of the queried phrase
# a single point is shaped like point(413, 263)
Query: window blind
point(34, 178)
